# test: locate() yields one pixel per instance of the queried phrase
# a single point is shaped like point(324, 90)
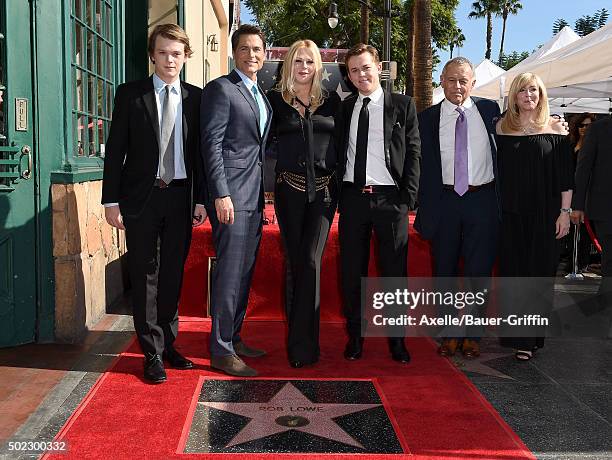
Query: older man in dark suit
point(234, 127)
point(152, 180)
point(458, 204)
point(378, 151)
point(592, 193)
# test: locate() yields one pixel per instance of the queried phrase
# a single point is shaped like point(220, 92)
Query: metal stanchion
point(574, 275)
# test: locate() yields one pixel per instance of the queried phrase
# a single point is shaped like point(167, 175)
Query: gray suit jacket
point(232, 146)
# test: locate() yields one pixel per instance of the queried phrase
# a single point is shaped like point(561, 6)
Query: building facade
point(60, 64)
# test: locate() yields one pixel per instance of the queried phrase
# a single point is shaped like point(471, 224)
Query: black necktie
point(361, 149)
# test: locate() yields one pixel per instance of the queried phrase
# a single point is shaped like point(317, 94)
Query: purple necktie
point(461, 153)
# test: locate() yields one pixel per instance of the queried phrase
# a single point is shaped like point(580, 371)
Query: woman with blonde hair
point(535, 176)
point(305, 194)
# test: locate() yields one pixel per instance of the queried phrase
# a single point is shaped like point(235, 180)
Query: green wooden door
point(18, 177)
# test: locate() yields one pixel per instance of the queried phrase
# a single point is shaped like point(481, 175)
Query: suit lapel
point(185, 110)
point(389, 119)
point(151, 105)
point(268, 111)
point(435, 135)
point(247, 95)
point(348, 115)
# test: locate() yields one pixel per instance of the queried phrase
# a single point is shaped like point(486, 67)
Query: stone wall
point(86, 253)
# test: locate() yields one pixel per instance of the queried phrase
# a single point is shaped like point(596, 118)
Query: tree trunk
point(364, 34)
point(501, 45)
point(410, 52)
point(489, 35)
point(423, 89)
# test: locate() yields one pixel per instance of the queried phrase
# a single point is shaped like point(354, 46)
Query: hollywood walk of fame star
point(343, 94)
point(478, 366)
point(290, 409)
point(325, 75)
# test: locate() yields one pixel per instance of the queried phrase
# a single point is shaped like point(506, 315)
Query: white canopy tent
point(594, 97)
point(560, 40)
point(483, 72)
point(572, 67)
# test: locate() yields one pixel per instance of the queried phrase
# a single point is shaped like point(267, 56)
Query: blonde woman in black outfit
point(535, 175)
point(305, 193)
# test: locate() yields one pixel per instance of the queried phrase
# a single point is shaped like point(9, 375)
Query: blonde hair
point(511, 120)
point(287, 81)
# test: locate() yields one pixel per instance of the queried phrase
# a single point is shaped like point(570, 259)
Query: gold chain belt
point(298, 182)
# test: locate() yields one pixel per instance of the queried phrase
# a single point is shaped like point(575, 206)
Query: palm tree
point(423, 90)
point(485, 9)
point(506, 8)
point(457, 40)
point(409, 12)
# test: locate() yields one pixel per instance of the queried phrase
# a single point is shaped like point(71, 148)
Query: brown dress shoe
point(448, 347)
point(470, 348)
point(232, 365)
point(242, 349)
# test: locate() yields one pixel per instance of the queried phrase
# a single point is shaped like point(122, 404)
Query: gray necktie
point(166, 144)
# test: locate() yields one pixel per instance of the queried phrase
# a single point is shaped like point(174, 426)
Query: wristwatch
point(567, 210)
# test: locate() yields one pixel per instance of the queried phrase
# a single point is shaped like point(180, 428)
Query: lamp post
point(386, 14)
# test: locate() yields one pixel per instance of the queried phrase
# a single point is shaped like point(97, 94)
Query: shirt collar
point(247, 81)
point(375, 97)
point(158, 84)
point(448, 107)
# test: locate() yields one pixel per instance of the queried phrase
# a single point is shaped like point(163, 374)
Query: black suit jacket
point(430, 186)
point(132, 149)
point(593, 179)
point(232, 146)
point(402, 144)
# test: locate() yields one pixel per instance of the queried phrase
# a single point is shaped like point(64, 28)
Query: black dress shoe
point(177, 360)
point(353, 348)
point(398, 349)
point(154, 369)
point(297, 363)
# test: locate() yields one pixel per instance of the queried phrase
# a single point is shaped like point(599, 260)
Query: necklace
point(529, 129)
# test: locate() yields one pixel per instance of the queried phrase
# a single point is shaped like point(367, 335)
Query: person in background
point(535, 174)
point(592, 197)
point(579, 126)
point(305, 193)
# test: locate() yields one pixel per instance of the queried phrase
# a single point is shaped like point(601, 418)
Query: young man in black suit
point(152, 180)
point(379, 152)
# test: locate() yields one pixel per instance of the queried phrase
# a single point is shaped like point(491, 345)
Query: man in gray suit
point(235, 117)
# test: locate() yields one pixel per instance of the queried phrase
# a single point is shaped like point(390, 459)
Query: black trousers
point(359, 215)
point(304, 229)
point(157, 242)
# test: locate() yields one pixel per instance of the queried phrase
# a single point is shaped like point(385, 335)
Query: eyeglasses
point(584, 125)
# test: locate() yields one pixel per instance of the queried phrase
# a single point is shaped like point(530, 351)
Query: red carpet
point(437, 411)
point(265, 301)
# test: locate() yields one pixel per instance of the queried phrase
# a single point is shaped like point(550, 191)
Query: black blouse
point(533, 171)
point(291, 135)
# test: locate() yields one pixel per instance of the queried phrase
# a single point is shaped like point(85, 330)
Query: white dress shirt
point(175, 99)
point(376, 168)
point(480, 162)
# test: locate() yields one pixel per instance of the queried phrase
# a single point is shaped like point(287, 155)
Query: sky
point(526, 31)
